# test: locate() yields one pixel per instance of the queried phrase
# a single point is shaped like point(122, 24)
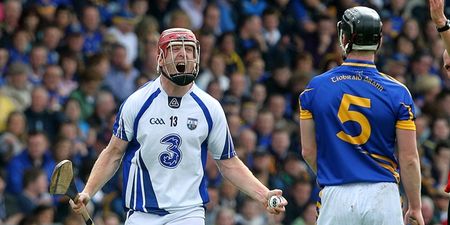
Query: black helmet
point(362, 27)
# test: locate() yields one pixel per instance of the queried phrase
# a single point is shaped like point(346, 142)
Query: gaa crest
point(192, 123)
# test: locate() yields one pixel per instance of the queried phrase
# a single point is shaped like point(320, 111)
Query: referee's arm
point(440, 21)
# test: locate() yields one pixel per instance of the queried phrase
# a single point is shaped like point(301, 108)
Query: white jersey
point(164, 163)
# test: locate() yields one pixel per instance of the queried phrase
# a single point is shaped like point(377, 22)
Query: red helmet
point(181, 72)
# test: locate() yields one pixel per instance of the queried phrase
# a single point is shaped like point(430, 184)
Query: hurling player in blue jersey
point(163, 133)
point(352, 119)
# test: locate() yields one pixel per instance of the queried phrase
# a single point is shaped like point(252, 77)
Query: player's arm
point(106, 165)
point(439, 19)
point(110, 158)
point(221, 146)
point(239, 175)
point(104, 168)
point(308, 142)
point(410, 171)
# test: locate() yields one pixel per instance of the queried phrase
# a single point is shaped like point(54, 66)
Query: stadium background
point(66, 66)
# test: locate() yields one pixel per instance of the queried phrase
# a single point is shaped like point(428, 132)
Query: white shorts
point(193, 216)
point(362, 204)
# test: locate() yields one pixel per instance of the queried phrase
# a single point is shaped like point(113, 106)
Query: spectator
point(227, 46)
point(194, 9)
point(39, 116)
point(281, 112)
point(249, 113)
point(111, 219)
point(259, 94)
point(120, 79)
point(256, 71)
point(428, 211)
point(271, 23)
point(123, 31)
point(299, 199)
point(12, 12)
point(265, 125)
point(51, 81)
point(85, 93)
point(93, 38)
point(7, 107)
point(441, 166)
point(35, 191)
point(17, 86)
point(308, 216)
point(38, 60)
point(208, 48)
point(105, 106)
point(51, 39)
point(215, 90)
point(4, 59)
point(251, 35)
point(62, 149)
point(250, 213)
point(147, 60)
point(44, 214)
point(139, 8)
point(279, 147)
point(12, 140)
point(238, 86)
point(228, 194)
point(247, 143)
point(225, 216)
point(18, 52)
point(64, 16)
point(74, 43)
point(213, 207)
point(35, 156)
point(10, 212)
point(29, 21)
point(70, 66)
point(211, 20)
point(177, 18)
point(215, 71)
point(72, 113)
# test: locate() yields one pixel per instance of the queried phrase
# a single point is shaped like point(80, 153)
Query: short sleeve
point(123, 125)
point(406, 112)
point(305, 100)
point(220, 143)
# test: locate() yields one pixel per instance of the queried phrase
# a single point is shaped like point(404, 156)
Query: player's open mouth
point(180, 67)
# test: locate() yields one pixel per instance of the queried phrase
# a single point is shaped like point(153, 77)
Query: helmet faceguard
point(180, 70)
point(362, 29)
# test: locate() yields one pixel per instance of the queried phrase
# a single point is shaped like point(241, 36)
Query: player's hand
point(80, 202)
point(280, 207)
point(437, 12)
point(414, 217)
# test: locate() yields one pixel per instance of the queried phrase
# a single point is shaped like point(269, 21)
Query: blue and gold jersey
point(356, 111)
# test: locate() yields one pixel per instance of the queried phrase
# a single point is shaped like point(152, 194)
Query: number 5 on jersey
point(345, 114)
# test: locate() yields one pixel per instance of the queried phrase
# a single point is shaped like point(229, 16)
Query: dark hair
point(441, 145)
point(31, 175)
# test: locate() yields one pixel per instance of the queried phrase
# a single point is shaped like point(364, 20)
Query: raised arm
point(440, 20)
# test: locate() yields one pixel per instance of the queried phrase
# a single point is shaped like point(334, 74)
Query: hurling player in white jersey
point(162, 135)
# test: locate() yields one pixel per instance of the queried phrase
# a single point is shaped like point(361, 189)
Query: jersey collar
point(359, 63)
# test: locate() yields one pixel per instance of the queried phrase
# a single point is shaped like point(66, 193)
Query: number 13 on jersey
point(345, 115)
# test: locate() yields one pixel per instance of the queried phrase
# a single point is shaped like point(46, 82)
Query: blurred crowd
point(66, 66)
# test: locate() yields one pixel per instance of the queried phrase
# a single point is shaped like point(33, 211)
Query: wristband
point(445, 27)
